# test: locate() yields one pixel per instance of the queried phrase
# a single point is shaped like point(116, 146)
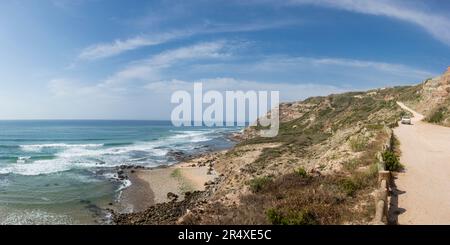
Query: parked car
point(406, 120)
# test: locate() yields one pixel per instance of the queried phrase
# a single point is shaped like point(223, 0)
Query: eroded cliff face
point(433, 99)
point(435, 92)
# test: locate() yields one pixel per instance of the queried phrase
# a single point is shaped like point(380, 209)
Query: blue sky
point(112, 59)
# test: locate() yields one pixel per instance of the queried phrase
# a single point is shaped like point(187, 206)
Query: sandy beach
point(152, 186)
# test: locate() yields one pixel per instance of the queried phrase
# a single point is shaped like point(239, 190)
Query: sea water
point(62, 172)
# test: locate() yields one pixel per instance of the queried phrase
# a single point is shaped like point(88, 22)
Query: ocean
point(63, 172)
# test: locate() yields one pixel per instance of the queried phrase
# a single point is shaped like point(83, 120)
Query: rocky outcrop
point(162, 213)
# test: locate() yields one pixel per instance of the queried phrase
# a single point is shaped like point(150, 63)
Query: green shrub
point(437, 116)
point(274, 216)
point(359, 180)
point(302, 217)
point(375, 126)
point(392, 162)
point(349, 186)
point(257, 184)
point(176, 173)
point(358, 143)
point(301, 172)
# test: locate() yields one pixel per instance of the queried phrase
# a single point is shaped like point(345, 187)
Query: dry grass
point(302, 198)
point(294, 200)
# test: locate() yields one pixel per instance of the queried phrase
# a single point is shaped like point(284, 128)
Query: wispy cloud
point(320, 70)
point(296, 77)
point(152, 81)
point(150, 69)
point(119, 46)
point(437, 25)
point(141, 71)
point(104, 50)
point(288, 91)
point(392, 68)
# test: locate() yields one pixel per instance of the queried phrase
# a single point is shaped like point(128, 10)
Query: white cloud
point(117, 47)
point(150, 69)
point(134, 90)
point(437, 25)
point(104, 50)
point(288, 91)
point(392, 68)
point(308, 76)
point(333, 70)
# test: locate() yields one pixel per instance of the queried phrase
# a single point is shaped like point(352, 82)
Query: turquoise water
point(63, 172)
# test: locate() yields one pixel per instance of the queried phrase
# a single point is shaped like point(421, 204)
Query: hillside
point(320, 169)
point(432, 99)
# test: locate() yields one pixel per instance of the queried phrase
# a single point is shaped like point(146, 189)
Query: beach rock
point(177, 155)
point(210, 182)
point(210, 171)
point(162, 213)
point(187, 194)
point(172, 196)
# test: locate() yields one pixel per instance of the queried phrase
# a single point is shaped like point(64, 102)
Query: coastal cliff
point(320, 169)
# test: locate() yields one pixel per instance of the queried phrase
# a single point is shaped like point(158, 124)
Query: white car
point(406, 120)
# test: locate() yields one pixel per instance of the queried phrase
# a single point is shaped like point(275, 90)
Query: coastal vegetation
point(320, 169)
point(437, 115)
point(184, 186)
point(392, 162)
point(257, 184)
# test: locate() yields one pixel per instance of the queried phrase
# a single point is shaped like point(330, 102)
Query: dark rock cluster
point(162, 213)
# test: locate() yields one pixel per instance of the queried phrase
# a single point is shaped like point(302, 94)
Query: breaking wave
point(66, 157)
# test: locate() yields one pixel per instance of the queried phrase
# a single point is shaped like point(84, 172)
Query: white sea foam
point(23, 159)
point(125, 184)
point(43, 167)
point(40, 147)
point(85, 156)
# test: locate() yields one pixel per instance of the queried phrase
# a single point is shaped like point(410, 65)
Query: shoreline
point(164, 184)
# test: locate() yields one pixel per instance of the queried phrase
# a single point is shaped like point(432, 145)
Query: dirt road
point(424, 187)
